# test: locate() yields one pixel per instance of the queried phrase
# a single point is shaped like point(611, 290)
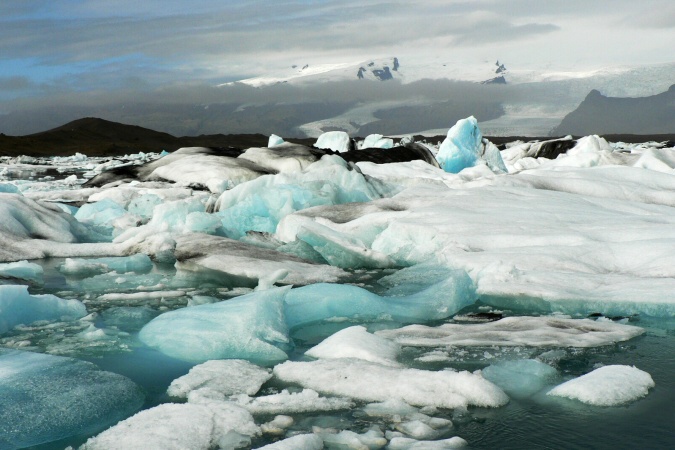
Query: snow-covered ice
point(545, 331)
point(180, 426)
point(363, 380)
point(226, 377)
point(534, 237)
point(607, 386)
point(287, 402)
point(356, 342)
point(338, 141)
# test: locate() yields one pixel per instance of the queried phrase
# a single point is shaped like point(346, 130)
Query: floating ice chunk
point(275, 140)
point(406, 174)
point(300, 441)
point(417, 429)
point(286, 402)
point(356, 342)
point(657, 159)
point(9, 188)
point(390, 407)
point(462, 147)
point(18, 307)
point(493, 157)
point(548, 331)
point(139, 263)
point(521, 378)
point(283, 158)
point(218, 173)
point(260, 204)
point(370, 440)
point(45, 398)
point(246, 264)
point(401, 443)
point(144, 205)
point(180, 426)
point(278, 425)
point(363, 380)
point(334, 140)
point(228, 377)
point(607, 386)
point(23, 218)
point(377, 141)
point(105, 215)
point(317, 302)
point(250, 327)
point(22, 270)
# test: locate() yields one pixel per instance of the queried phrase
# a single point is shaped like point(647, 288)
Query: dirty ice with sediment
point(377, 294)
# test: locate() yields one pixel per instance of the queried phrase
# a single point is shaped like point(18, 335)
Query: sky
point(99, 45)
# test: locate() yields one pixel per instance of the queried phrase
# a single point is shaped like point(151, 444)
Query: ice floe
point(226, 377)
point(356, 342)
point(362, 380)
point(545, 331)
point(250, 327)
point(45, 398)
point(180, 426)
point(607, 386)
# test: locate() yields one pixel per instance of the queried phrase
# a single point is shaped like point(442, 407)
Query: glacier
point(354, 294)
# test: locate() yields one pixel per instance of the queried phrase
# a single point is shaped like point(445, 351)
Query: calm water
point(538, 422)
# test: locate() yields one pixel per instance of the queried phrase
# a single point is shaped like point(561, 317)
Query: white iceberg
point(607, 386)
point(180, 426)
point(363, 380)
point(226, 377)
point(546, 331)
point(356, 342)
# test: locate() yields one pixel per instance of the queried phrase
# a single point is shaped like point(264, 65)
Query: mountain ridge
point(598, 113)
point(97, 137)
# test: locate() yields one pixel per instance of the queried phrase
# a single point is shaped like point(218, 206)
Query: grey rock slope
point(598, 114)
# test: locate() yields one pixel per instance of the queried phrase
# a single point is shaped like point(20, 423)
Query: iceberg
point(18, 307)
point(322, 301)
point(464, 147)
point(216, 172)
point(401, 443)
point(377, 141)
point(284, 157)
point(520, 378)
point(547, 331)
point(303, 441)
point(138, 263)
point(180, 426)
point(338, 141)
point(45, 398)
point(247, 265)
point(287, 402)
point(362, 380)
point(250, 327)
point(228, 377)
point(274, 140)
point(356, 342)
point(607, 386)
point(22, 270)
point(260, 205)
